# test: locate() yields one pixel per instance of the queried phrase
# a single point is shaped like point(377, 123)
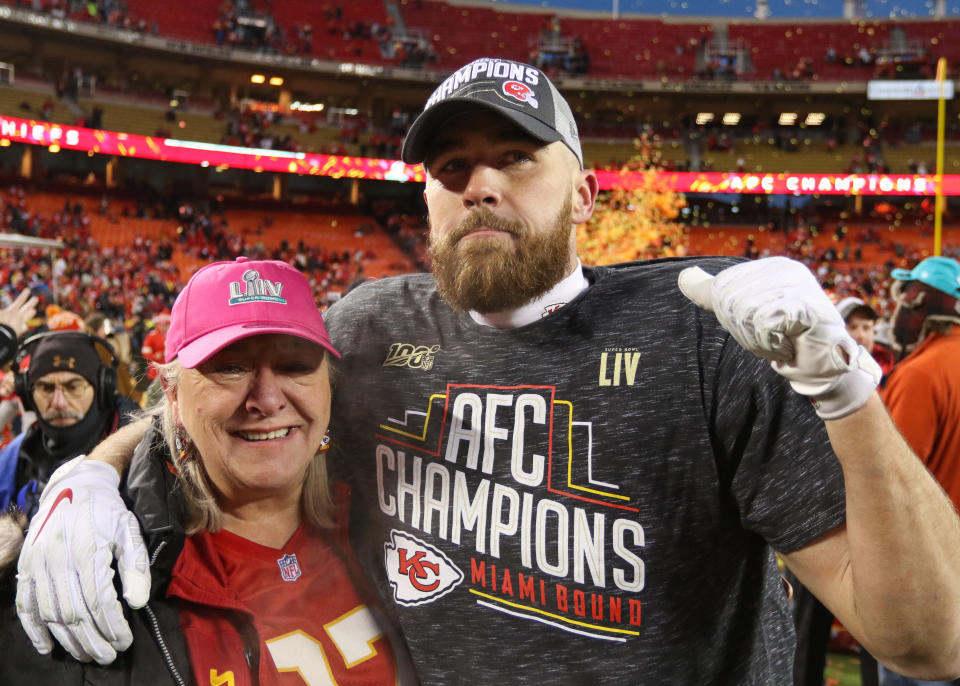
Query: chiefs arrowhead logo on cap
point(418, 572)
point(521, 92)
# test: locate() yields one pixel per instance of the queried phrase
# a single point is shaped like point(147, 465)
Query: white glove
point(64, 577)
point(775, 309)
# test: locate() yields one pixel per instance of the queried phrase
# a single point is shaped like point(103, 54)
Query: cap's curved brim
point(424, 128)
point(902, 274)
point(203, 348)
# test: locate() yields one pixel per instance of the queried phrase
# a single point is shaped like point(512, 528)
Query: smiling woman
point(250, 421)
point(261, 579)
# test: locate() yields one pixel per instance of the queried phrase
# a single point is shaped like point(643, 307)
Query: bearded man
point(73, 394)
point(570, 474)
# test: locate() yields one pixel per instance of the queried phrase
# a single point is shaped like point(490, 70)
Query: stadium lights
point(704, 118)
point(787, 118)
point(731, 118)
point(298, 106)
point(257, 78)
point(276, 80)
point(815, 118)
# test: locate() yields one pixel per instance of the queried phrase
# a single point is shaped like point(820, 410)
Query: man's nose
point(483, 188)
point(59, 397)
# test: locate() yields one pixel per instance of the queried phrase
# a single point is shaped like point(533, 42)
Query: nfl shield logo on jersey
point(289, 567)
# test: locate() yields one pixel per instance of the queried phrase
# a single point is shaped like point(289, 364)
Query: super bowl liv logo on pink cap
point(255, 289)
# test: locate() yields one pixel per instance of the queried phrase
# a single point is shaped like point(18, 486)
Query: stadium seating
point(27, 102)
point(630, 47)
point(193, 21)
point(338, 232)
point(910, 242)
point(460, 34)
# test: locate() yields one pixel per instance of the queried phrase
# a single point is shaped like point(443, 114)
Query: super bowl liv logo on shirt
point(618, 366)
point(255, 289)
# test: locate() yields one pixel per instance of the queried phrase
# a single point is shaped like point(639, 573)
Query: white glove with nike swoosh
point(64, 575)
point(774, 308)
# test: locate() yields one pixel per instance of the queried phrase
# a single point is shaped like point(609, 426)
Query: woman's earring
point(325, 442)
point(180, 443)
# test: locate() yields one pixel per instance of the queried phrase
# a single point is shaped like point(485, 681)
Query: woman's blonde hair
point(203, 511)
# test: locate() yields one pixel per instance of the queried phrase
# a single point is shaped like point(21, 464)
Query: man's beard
point(481, 275)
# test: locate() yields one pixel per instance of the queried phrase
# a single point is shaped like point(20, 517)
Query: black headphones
point(106, 383)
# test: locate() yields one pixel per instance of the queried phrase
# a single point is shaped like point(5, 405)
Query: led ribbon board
point(344, 166)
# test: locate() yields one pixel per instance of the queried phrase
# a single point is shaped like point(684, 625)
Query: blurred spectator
point(74, 396)
point(923, 391)
point(155, 344)
point(861, 320)
point(62, 320)
point(102, 326)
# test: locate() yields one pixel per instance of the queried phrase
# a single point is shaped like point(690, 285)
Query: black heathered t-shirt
point(589, 499)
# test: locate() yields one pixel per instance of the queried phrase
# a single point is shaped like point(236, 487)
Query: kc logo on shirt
point(418, 572)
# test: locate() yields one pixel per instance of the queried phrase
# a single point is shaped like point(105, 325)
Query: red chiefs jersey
point(293, 615)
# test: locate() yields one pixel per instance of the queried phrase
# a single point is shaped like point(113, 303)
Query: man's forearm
point(117, 448)
point(903, 537)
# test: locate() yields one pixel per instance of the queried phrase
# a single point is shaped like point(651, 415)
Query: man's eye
point(450, 166)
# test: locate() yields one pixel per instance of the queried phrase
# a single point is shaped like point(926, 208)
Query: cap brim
point(425, 127)
point(203, 348)
point(902, 274)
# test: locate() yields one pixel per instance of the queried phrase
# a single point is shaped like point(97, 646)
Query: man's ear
point(585, 195)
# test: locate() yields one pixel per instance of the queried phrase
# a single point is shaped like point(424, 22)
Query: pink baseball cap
point(226, 301)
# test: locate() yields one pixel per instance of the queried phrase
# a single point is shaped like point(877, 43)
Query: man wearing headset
point(74, 396)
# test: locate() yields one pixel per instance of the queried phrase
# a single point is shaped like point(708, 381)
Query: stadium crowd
point(781, 52)
point(134, 283)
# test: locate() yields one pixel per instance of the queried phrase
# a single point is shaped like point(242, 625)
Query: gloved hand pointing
point(774, 308)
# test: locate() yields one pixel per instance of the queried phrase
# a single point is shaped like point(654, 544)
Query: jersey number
point(353, 634)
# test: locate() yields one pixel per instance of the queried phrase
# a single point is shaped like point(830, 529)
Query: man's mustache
point(485, 218)
point(62, 414)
